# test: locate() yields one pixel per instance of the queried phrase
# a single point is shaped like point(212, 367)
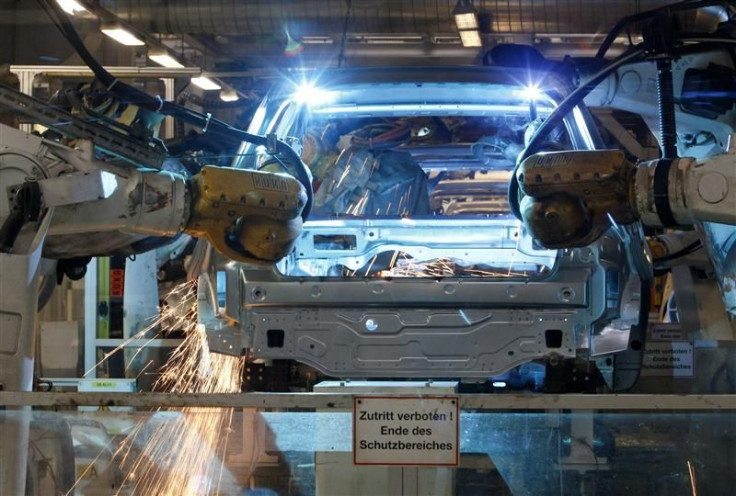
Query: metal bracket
point(25, 207)
point(111, 142)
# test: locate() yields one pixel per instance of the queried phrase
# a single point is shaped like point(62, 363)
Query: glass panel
point(237, 451)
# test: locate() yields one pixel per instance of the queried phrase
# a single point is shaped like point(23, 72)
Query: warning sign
point(668, 358)
point(117, 282)
point(665, 332)
point(407, 430)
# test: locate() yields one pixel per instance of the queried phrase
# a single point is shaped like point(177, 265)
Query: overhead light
point(466, 20)
point(465, 15)
point(71, 7)
point(205, 83)
point(470, 38)
point(317, 40)
point(229, 96)
point(121, 35)
point(164, 59)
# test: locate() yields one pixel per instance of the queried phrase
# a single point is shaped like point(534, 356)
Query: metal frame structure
point(471, 327)
point(332, 401)
point(467, 327)
point(26, 75)
point(106, 139)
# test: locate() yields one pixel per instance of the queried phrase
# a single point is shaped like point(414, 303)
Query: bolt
point(551, 215)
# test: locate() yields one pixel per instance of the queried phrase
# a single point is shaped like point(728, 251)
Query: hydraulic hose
point(666, 104)
point(558, 114)
point(206, 123)
point(626, 21)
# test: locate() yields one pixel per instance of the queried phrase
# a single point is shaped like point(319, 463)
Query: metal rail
point(332, 401)
point(83, 70)
point(71, 126)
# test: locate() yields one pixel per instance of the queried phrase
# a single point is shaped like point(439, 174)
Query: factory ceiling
point(232, 35)
point(261, 31)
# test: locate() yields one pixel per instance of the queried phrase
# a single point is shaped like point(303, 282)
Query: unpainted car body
point(453, 288)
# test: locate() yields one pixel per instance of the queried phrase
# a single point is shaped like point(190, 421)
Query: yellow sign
point(104, 384)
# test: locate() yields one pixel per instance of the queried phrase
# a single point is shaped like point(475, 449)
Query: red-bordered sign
point(406, 430)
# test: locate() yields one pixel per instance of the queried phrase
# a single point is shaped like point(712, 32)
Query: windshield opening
point(414, 167)
point(414, 183)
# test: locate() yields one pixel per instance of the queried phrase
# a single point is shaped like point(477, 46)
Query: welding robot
point(566, 199)
point(52, 191)
point(105, 194)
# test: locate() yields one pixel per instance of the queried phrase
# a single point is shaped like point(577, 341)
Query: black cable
point(344, 37)
point(205, 122)
point(687, 250)
point(558, 114)
point(666, 107)
point(212, 103)
point(625, 22)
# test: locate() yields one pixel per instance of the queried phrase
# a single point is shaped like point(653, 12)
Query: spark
point(343, 176)
point(368, 270)
point(89, 467)
point(161, 322)
point(150, 362)
point(691, 471)
point(401, 203)
point(183, 450)
point(392, 264)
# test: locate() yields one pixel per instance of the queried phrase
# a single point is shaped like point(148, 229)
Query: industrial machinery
point(400, 155)
point(376, 290)
point(60, 202)
point(571, 199)
point(411, 264)
point(386, 283)
point(56, 198)
point(391, 223)
point(99, 184)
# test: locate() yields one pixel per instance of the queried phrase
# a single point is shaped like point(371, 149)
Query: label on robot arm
point(406, 430)
point(668, 359)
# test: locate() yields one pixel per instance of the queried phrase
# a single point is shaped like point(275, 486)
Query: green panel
point(103, 298)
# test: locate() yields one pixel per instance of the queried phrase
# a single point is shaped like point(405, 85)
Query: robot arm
point(48, 190)
point(248, 216)
point(684, 191)
point(571, 198)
